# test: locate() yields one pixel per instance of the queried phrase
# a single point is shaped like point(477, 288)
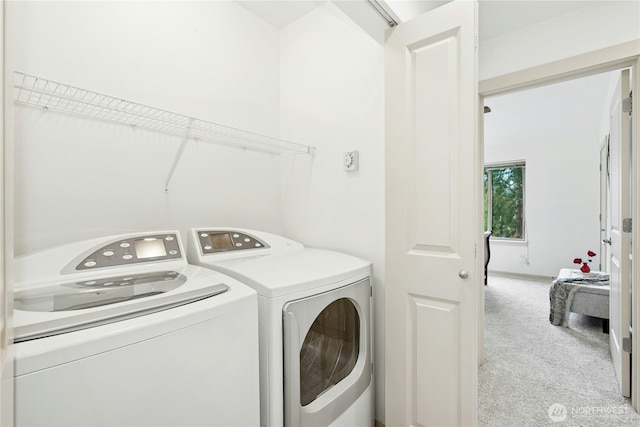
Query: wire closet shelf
point(52, 95)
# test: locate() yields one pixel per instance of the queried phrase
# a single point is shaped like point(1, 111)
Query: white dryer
point(315, 324)
point(122, 331)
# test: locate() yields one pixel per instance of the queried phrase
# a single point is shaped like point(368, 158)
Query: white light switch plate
point(350, 160)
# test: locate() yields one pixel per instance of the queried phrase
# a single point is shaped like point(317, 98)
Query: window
point(504, 200)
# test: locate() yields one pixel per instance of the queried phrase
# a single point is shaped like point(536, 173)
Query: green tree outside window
point(504, 201)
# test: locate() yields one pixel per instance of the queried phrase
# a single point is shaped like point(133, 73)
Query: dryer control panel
point(224, 241)
point(133, 250)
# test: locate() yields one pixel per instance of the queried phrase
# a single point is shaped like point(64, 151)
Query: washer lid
point(97, 292)
point(282, 274)
point(69, 306)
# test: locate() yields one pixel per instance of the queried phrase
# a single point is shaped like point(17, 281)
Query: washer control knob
point(107, 253)
point(127, 256)
point(90, 264)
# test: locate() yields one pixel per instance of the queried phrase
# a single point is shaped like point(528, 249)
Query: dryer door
point(327, 354)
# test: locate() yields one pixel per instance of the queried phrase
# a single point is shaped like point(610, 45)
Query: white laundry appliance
point(316, 366)
point(121, 331)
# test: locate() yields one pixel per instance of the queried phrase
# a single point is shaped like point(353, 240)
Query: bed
point(575, 292)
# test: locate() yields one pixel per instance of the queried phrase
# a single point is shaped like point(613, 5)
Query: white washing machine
point(121, 331)
point(315, 324)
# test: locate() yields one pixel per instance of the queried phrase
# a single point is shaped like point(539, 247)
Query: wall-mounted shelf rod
point(52, 95)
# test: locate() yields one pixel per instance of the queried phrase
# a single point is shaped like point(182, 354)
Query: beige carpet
point(537, 374)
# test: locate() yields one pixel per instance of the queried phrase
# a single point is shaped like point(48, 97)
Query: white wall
point(561, 204)
point(6, 251)
point(332, 97)
point(604, 24)
point(557, 130)
point(77, 178)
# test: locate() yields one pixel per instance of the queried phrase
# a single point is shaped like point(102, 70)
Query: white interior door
point(433, 200)
point(620, 267)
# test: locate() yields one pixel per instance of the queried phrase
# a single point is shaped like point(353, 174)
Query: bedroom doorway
point(530, 81)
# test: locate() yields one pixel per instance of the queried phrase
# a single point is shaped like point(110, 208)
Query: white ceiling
point(549, 113)
point(501, 17)
point(280, 13)
point(496, 17)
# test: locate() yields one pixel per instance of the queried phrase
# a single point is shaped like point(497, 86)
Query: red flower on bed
point(585, 266)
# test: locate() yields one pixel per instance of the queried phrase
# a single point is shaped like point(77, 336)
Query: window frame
point(504, 165)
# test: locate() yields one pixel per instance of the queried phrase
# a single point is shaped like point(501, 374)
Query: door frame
point(604, 204)
point(608, 59)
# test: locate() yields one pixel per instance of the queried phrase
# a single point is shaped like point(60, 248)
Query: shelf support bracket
point(176, 160)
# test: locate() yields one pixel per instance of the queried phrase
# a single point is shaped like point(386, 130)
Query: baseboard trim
point(378, 423)
point(519, 276)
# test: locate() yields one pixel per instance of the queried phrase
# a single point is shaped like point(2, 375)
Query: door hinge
point(626, 345)
point(627, 105)
point(627, 225)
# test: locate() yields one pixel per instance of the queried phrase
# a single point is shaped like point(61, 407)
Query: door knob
point(463, 274)
point(606, 241)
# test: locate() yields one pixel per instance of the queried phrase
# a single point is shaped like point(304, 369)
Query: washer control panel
point(224, 241)
point(133, 250)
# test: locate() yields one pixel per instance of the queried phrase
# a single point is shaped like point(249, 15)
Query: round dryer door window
point(330, 350)
point(327, 353)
